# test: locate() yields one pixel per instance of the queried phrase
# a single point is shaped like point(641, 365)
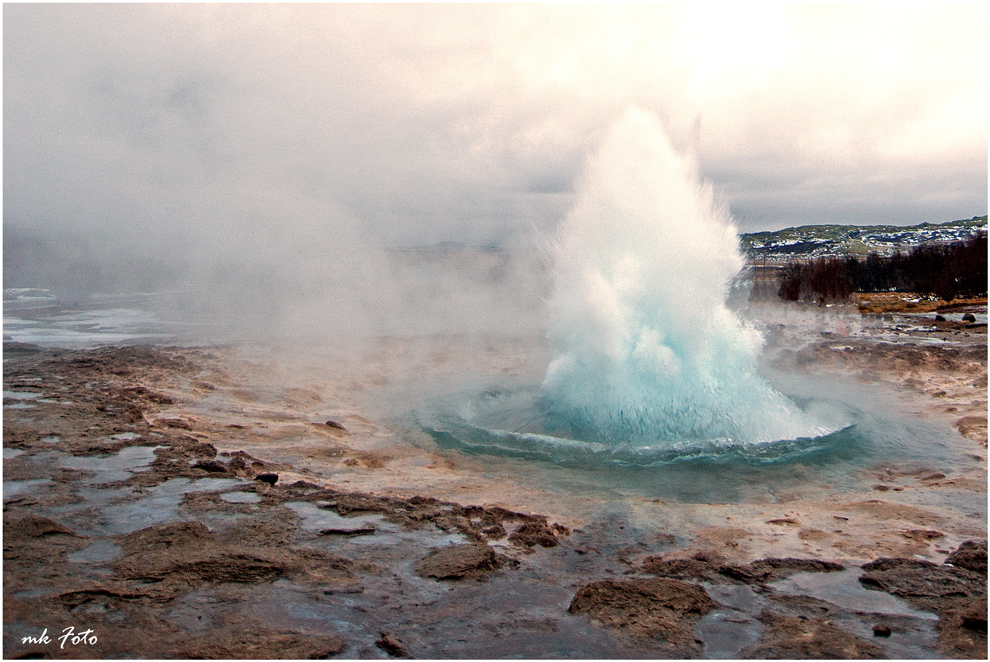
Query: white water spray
point(646, 351)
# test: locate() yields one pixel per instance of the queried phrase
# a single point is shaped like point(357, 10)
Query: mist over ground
point(264, 162)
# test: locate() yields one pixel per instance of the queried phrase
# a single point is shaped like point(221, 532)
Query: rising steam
point(646, 350)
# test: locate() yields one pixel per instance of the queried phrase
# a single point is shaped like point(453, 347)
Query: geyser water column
point(646, 352)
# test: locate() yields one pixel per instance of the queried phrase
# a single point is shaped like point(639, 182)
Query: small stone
point(347, 533)
point(535, 533)
point(271, 479)
point(336, 426)
point(392, 645)
point(881, 630)
point(179, 423)
point(211, 466)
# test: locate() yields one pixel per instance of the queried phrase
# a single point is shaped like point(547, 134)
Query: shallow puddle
point(114, 515)
point(160, 508)
point(742, 598)
point(844, 589)
point(100, 551)
point(318, 519)
point(12, 487)
point(180, 486)
point(98, 497)
point(119, 519)
point(108, 469)
point(429, 537)
point(21, 395)
point(725, 633)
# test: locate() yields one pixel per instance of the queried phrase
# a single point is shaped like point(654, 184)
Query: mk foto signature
point(69, 635)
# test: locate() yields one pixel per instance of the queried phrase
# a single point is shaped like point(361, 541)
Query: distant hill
point(820, 240)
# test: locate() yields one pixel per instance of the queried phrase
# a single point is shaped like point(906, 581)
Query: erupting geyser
point(646, 351)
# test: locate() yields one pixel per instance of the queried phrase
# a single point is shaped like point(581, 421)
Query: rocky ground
point(145, 520)
point(943, 360)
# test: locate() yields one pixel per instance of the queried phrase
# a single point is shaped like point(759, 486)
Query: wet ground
point(134, 507)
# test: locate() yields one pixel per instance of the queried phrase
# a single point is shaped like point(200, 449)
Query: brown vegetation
point(943, 272)
point(911, 302)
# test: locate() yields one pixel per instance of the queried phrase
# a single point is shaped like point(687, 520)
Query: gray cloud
point(178, 128)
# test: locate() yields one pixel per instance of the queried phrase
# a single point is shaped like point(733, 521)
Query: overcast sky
point(425, 123)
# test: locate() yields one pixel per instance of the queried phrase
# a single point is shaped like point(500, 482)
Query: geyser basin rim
point(522, 419)
point(686, 445)
point(451, 432)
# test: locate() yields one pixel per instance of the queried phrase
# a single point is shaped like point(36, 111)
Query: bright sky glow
point(471, 122)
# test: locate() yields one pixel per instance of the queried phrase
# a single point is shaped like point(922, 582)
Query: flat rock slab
point(459, 562)
point(797, 638)
point(924, 584)
point(187, 552)
point(708, 567)
point(259, 643)
point(659, 614)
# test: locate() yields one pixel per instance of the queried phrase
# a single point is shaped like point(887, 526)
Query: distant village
point(823, 263)
point(811, 242)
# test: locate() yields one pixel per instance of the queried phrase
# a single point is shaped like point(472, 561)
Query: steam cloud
point(257, 161)
point(646, 350)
